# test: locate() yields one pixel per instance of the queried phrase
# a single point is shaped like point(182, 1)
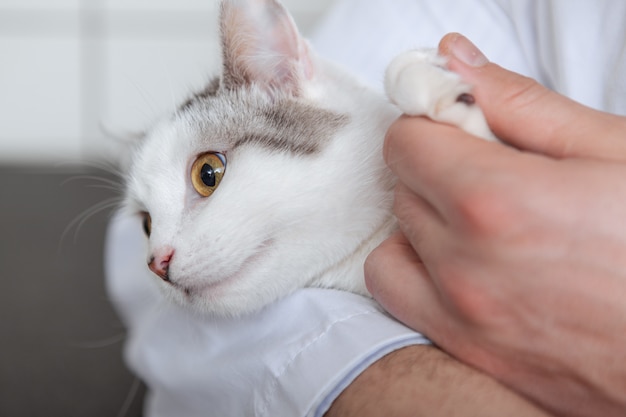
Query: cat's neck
point(348, 273)
point(360, 153)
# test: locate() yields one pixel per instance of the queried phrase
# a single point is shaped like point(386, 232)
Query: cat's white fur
point(294, 211)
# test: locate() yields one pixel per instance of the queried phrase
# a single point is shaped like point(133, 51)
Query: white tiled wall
point(72, 69)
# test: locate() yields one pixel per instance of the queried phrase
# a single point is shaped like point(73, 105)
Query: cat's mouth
point(214, 289)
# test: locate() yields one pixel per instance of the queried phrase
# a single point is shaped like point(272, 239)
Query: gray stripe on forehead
point(294, 127)
point(236, 118)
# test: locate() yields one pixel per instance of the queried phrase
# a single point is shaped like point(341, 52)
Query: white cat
point(272, 178)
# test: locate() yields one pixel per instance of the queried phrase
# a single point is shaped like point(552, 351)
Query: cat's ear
point(261, 45)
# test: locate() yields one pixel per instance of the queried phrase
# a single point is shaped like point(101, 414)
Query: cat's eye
point(207, 172)
point(146, 223)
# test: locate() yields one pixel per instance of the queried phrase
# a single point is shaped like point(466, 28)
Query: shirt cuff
point(346, 349)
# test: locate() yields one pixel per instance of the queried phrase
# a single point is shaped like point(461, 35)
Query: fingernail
point(464, 50)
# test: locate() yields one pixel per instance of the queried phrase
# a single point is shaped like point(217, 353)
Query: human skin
point(513, 258)
point(424, 381)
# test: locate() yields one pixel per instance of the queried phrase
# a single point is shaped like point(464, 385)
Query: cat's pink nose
point(160, 263)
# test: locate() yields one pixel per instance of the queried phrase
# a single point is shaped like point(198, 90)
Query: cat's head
point(260, 184)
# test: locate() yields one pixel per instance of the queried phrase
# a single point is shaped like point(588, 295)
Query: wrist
point(422, 380)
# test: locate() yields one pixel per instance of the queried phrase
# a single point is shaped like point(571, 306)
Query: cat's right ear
point(261, 45)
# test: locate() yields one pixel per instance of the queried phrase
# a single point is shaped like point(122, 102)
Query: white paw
point(418, 83)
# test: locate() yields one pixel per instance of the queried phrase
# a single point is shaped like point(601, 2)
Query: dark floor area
point(60, 340)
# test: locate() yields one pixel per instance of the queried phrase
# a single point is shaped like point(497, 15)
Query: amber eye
point(146, 223)
point(207, 172)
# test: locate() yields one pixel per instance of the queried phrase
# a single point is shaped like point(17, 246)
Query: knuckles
point(487, 213)
point(471, 303)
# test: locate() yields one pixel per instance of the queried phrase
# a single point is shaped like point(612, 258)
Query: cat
point(272, 177)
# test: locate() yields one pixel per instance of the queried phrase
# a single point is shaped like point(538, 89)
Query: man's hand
point(513, 258)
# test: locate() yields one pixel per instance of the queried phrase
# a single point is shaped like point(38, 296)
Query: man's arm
point(423, 380)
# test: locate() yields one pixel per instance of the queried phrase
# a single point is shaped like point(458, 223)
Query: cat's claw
point(420, 85)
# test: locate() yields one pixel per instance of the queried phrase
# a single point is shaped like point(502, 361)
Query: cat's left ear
point(261, 45)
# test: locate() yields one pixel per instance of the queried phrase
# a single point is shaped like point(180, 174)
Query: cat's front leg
point(420, 85)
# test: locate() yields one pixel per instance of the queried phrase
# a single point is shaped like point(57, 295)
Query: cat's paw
point(420, 85)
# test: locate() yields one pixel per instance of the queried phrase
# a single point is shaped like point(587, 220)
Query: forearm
point(422, 380)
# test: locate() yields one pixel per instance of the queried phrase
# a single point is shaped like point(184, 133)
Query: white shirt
point(296, 356)
point(576, 47)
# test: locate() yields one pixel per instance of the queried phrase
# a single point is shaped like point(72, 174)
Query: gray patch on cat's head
point(294, 127)
point(229, 119)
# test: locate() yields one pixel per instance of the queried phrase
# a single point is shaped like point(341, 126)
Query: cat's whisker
point(136, 384)
point(128, 401)
point(104, 165)
point(99, 344)
point(115, 188)
point(114, 185)
point(111, 181)
point(80, 220)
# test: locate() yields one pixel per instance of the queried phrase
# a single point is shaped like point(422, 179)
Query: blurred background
point(75, 77)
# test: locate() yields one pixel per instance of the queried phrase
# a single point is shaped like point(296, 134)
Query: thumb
point(527, 115)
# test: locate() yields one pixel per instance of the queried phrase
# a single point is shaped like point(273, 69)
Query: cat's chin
point(214, 299)
point(229, 297)
point(220, 299)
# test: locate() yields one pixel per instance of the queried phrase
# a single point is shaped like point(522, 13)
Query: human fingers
point(527, 115)
point(420, 222)
point(397, 278)
point(444, 164)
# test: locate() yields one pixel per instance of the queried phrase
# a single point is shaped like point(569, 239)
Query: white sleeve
point(363, 36)
point(576, 47)
point(292, 359)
